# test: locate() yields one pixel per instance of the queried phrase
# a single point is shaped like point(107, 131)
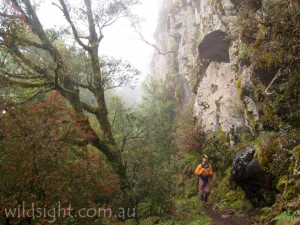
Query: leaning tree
point(32, 58)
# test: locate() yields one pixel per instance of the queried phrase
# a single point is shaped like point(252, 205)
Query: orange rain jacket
point(207, 171)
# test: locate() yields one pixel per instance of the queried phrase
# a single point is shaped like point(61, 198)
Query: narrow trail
point(227, 217)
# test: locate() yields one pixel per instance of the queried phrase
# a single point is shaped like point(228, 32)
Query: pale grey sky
point(120, 40)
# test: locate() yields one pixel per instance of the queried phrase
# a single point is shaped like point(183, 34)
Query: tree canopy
point(38, 59)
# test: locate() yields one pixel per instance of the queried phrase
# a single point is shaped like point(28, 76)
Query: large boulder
point(253, 179)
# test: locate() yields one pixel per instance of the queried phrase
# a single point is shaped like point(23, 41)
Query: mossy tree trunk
point(21, 29)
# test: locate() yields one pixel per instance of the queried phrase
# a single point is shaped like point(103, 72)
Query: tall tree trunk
point(60, 78)
point(108, 145)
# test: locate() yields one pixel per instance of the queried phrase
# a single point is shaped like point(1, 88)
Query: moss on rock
point(282, 183)
point(292, 189)
point(229, 196)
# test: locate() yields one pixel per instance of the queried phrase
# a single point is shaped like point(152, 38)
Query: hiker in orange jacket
point(205, 172)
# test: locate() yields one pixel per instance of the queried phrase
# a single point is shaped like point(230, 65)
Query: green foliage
point(200, 219)
point(143, 135)
point(227, 195)
point(284, 167)
point(272, 36)
point(131, 222)
point(295, 165)
point(148, 207)
point(185, 184)
point(270, 120)
point(282, 183)
point(282, 107)
point(189, 162)
point(238, 86)
point(270, 42)
point(43, 162)
point(244, 54)
point(287, 104)
point(217, 147)
point(187, 137)
point(108, 221)
point(127, 124)
point(270, 153)
point(192, 142)
point(292, 189)
point(288, 217)
point(168, 222)
point(150, 220)
point(189, 211)
point(191, 187)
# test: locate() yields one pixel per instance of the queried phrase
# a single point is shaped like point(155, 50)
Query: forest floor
point(227, 217)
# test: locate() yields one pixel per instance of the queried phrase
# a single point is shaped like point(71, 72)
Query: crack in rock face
point(250, 176)
point(215, 47)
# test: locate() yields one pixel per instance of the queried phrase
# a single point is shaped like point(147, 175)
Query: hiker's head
point(204, 158)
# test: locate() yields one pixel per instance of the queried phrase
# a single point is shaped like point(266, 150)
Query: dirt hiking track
point(227, 217)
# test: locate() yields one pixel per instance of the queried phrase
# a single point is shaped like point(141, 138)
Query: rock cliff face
point(200, 57)
point(223, 56)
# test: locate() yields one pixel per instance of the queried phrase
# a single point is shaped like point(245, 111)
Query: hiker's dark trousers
point(204, 190)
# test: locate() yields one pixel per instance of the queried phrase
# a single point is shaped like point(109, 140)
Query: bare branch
point(101, 36)
point(23, 83)
point(28, 62)
point(86, 86)
point(36, 94)
point(92, 29)
point(61, 9)
point(20, 75)
point(74, 29)
point(90, 108)
point(64, 90)
point(26, 71)
point(32, 43)
point(84, 37)
point(111, 21)
point(23, 41)
point(32, 19)
point(136, 136)
point(4, 58)
point(278, 74)
point(115, 115)
point(154, 46)
point(138, 30)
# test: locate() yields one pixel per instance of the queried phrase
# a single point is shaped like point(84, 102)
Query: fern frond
point(150, 220)
point(291, 217)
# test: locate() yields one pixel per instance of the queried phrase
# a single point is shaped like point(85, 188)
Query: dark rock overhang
point(214, 47)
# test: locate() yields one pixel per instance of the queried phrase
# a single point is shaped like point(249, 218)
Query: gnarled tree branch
point(74, 29)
